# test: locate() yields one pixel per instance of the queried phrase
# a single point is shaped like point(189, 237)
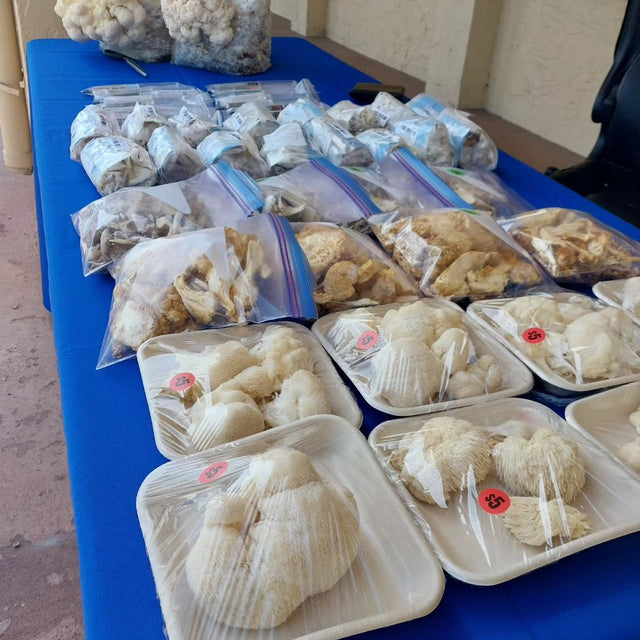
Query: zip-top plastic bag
point(174, 158)
point(112, 225)
point(326, 193)
point(90, 123)
point(506, 487)
point(350, 269)
point(571, 341)
point(252, 119)
point(427, 138)
point(193, 128)
point(574, 247)
point(380, 142)
point(211, 387)
point(456, 253)
point(390, 108)
point(291, 533)
point(483, 189)
point(408, 359)
point(286, 148)
point(141, 123)
point(474, 148)
point(337, 144)
point(237, 149)
point(250, 270)
point(114, 162)
point(356, 119)
point(302, 110)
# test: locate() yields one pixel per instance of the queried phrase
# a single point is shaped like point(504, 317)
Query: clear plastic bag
point(193, 128)
point(337, 144)
point(569, 340)
point(407, 359)
point(237, 149)
point(390, 108)
point(621, 293)
point(506, 487)
point(252, 119)
point(574, 247)
point(356, 119)
point(301, 110)
point(350, 269)
point(483, 189)
point(380, 142)
point(211, 387)
point(333, 550)
point(286, 148)
point(427, 138)
point(318, 191)
point(109, 227)
point(114, 162)
point(141, 123)
point(90, 123)
point(174, 158)
point(456, 253)
point(228, 96)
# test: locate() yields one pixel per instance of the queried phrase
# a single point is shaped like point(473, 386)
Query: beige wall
point(549, 61)
point(38, 20)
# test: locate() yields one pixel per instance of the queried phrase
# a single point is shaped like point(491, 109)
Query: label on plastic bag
point(494, 501)
point(182, 381)
point(367, 340)
point(213, 472)
point(534, 335)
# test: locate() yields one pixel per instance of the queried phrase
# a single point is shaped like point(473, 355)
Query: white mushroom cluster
point(629, 452)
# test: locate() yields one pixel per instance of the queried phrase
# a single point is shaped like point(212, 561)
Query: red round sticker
point(182, 381)
point(367, 340)
point(213, 472)
point(534, 335)
point(494, 501)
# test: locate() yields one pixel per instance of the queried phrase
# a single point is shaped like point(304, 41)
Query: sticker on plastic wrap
point(213, 472)
point(494, 501)
point(182, 382)
point(367, 340)
point(534, 335)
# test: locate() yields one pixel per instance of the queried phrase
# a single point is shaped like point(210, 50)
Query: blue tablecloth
point(591, 595)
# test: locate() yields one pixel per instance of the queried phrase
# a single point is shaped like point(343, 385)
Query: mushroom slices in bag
point(173, 157)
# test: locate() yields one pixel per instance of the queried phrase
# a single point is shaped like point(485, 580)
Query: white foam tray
point(395, 577)
point(156, 358)
point(518, 378)
point(611, 292)
point(475, 546)
point(605, 416)
point(475, 311)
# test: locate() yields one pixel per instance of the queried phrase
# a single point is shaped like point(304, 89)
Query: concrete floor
point(39, 586)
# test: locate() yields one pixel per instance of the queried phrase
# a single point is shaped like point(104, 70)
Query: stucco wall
point(37, 19)
point(550, 59)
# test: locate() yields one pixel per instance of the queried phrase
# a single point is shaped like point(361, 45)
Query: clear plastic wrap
point(141, 123)
point(621, 293)
point(569, 340)
point(237, 149)
point(390, 108)
point(573, 247)
point(337, 144)
point(252, 271)
point(174, 158)
point(428, 139)
point(211, 387)
point(420, 357)
point(356, 119)
point(286, 148)
point(301, 110)
point(456, 253)
point(612, 418)
point(380, 142)
point(350, 269)
point(231, 37)
point(114, 162)
point(193, 128)
point(292, 533)
point(318, 191)
point(506, 487)
point(100, 92)
point(90, 123)
point(252, 119)
point(483, 189)
point(474, 148)
point(110, 226)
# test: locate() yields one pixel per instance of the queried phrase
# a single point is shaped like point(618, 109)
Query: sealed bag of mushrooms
point(248, 271)
point(506, 487)
point(290, 533)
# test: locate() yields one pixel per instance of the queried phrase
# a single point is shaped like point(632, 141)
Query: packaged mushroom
point(192, 127)
point(621, 293)
point(253, 271)
point(380, 142)
point(574, 247)
point(356, 119)
point(141, 123)
point(211, 387)
point(173, 157)
point(350, 269)
point(252, 119)
point(292, 533)
point(301, 110)
point(114, 162)
point(286, 148)
point(408, 359)
point(427, 138)
point(571, 341)
point(237, 149)
point(92, 122)
point(506, 487)
point(456, 254)
point(337, 144)
point(112, 225)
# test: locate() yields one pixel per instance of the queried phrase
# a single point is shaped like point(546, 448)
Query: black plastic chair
point(610, 176)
